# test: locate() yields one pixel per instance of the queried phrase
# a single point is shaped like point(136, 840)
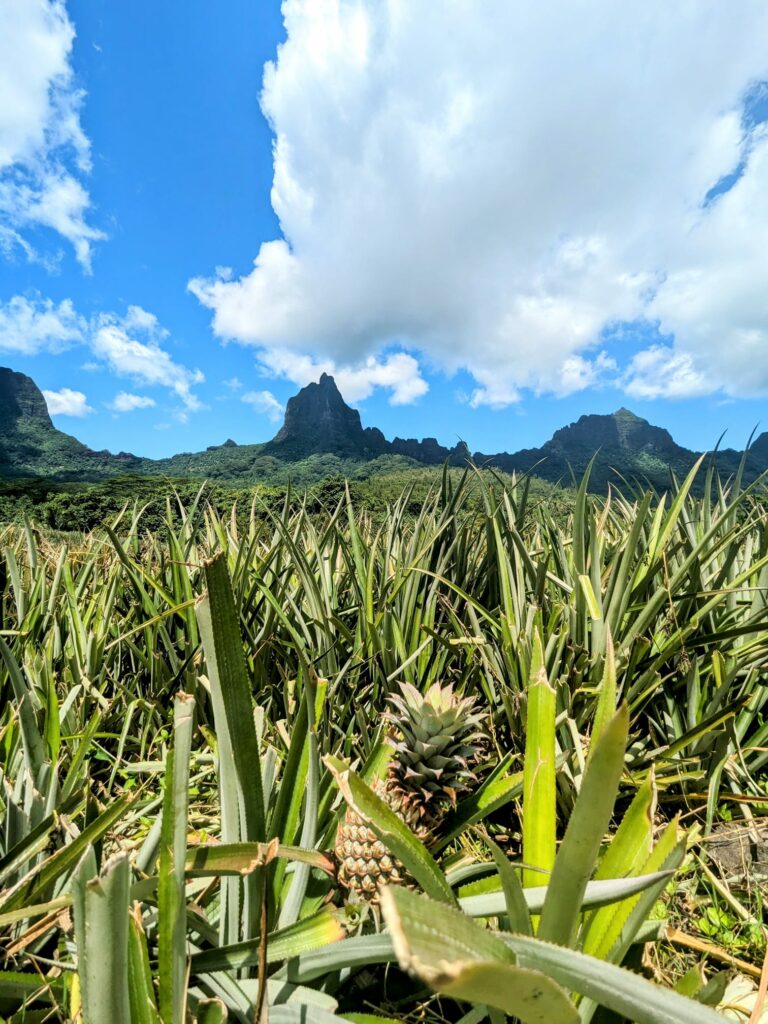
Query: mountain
point(322, 436)
point(626, 445)
point(30, 445)
point(319, 420)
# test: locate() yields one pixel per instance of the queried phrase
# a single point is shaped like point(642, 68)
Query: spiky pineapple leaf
point(539, 817)
point(140, 988)
point(586, 829)
point(322, 930)
point(629, 995)
point(101, 935)
point(514, 895)
point(460, 959)
point(172, 908)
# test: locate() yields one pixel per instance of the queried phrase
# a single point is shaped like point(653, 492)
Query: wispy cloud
point(124, 401)
point(266, 403)
point(129, 346)
point(29, 326)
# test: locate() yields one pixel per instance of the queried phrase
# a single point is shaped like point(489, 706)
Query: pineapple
point(436, 739)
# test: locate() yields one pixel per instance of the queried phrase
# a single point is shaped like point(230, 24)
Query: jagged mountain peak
point(319, 422)
point(318, 419)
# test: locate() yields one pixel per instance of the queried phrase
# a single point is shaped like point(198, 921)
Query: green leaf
point(211, 1011)
point(320, 931)
point(140, 989)
point(497, 791)
point(539, 836)
point(627, 855)
point(525, 994)
point(360, 951)
point(457, 957)
point(239, 764)
point(597, 894)
point(370, 1018)
point(314, 696)
point(606, 698)
point(57, 866)
point(592, 602)
point(17, 987)
point(32, 742)
point(171, 903)
point(514, 894)
point(101, 935)
point(243, 858)
point(300, 1013)
point(588, 823)
point(629, 995)
point(667, 855)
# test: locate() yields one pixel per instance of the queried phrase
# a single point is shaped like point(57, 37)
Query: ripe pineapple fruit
point(436, 739)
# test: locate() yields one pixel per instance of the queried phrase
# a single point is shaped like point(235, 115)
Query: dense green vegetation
point(192, 695)
point(77, 507)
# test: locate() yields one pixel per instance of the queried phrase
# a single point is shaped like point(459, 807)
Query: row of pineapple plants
point(331, 618)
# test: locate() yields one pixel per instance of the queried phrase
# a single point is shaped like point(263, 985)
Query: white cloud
point(67, 403)
point(661, 372)
point(44, 152)
point(29, 326)
point(124, 401)
point(397, 372)
point(266, 403)
point(494, 185)
point(713, 301)
point(131, 347)
point(233, 384)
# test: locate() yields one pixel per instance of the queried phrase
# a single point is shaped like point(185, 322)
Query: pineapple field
point(485, 760)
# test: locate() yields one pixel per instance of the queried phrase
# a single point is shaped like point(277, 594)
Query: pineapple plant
point(436, 739)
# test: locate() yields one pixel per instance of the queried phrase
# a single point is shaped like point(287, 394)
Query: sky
point(484, 219)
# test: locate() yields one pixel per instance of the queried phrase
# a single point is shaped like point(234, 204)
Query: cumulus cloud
point(124, 401)
point(32, 325)
point(67, 403)
point(661, 372)
point(266, 403)
point(44, 153)
point(397, 372)
point(494, 187)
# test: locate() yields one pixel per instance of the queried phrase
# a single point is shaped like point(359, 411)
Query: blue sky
point(484, 224)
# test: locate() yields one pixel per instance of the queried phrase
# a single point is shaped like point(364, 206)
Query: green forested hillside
point(323, 438)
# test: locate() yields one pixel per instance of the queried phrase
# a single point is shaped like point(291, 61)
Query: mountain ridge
point(320, 426)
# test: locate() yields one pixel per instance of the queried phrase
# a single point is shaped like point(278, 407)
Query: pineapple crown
point(437, 738)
